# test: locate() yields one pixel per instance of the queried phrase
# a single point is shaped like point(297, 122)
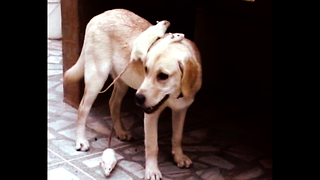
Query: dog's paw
point(182, 160)
point(124, 135)
point(152, 174)
point(82, 144)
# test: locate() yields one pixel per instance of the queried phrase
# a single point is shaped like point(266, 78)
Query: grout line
point(75, 158)
point(85, 156)
point(55, 164)
point(72, 164)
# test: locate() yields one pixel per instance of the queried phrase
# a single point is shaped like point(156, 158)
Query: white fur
point(145, 40)
point(108, 161)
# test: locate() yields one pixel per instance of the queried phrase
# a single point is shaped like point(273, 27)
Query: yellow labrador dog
point(170, 77)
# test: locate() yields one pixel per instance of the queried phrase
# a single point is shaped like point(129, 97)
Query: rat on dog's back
point(145, 40)
point(167, 39)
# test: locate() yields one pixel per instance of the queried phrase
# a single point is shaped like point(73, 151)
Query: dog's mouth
point(152, 109)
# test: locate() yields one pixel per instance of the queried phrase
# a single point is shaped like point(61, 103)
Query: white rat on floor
point(109, 159)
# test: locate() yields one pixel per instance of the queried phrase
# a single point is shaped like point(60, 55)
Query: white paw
point(82, 144)
point(152, 174)
point(182, 160)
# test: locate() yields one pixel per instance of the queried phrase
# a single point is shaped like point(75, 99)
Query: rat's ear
point(101, 162)
point(157, 22)
point(172, 36)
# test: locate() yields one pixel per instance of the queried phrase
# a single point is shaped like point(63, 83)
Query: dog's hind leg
point(119, 91)
point(93, 85)
point(96, 72)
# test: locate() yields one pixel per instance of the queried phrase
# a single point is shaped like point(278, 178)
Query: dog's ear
point(190, 72)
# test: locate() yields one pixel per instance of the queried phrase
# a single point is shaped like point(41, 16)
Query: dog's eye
point(162, 76)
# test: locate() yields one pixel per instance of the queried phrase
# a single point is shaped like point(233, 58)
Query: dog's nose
point(140, 99)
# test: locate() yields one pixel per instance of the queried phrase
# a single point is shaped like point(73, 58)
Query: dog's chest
point(181, 103)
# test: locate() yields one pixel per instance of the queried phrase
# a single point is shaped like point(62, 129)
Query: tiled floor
point(218, 152)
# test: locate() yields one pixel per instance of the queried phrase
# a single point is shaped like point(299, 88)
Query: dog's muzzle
point(140, 100)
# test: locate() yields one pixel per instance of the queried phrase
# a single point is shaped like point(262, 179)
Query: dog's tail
point(76, 72)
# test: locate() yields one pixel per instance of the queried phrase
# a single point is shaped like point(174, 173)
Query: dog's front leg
point(178, 117)
point(151, 146)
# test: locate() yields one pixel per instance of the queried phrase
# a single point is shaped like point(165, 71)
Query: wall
point(54, 19)
point(235, 41)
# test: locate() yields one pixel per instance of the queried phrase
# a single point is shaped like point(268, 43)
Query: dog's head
point(170, 72)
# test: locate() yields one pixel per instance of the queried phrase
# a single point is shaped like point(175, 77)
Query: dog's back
point(101, 29)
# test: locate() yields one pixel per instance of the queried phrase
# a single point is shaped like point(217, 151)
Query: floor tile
point(61, 174)
point(54, 67)
point(198, 165)
point(250, 174)
point(54, 59)
point(116, 174)
point(199, 148)
point(71, 115)
point(217, 161)
point(193, 178)
point(102, 143)
point(55, 53)
point(52, 158)
point(50, 136)
point(210, 174)
point(99, 127)
point(244, 157)
point(92, 162)
point(245, 150)
point(53, 84)
point(169, 169)
point(139, 157)
point(130, 166)
point(199, 134)
point(67, 171)
point(67, 146)
point(71, 133)
point(54, 72)
point(266, 163)
point(60, 124)
point(134, 149)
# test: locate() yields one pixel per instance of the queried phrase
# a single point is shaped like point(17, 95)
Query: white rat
point(167, 39)
point(109, 159)
point(143, 42)
point(170, 38)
